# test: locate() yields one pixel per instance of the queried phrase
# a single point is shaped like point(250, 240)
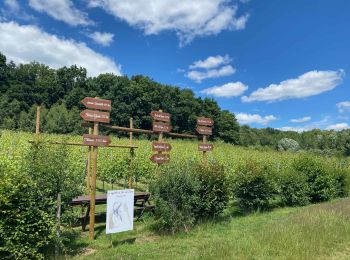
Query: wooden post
point(88, 174)
point(131, 155)
point(93, 185)
point(58, 219)
point(205, 157)
point(160, 139)
point(37, 126)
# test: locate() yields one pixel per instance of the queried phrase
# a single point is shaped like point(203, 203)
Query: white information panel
point(120, 211)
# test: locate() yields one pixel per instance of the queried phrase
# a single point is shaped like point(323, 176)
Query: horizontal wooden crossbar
point(137, 130)
point(82, 144)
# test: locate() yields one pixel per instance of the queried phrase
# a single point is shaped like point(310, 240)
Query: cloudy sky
point(281, 64)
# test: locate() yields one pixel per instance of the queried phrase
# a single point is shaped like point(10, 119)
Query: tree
point(287, 144)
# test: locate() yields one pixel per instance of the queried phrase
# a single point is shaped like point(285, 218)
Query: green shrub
point(322, 185)
point(342, 182)
point(213, 190)
point(294, 189)
point(25, 226)
point(287, 144)
point(253, 186)
point(175, 193)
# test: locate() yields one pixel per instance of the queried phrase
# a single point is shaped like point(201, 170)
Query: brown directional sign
point(161, 127)
point(160, 116)
point(205, 147)
point(95, 116)
point(204, 130)
point(96, 140)
point(205, 121)
point(161, 147)
point(97, 103)
point(160, 158)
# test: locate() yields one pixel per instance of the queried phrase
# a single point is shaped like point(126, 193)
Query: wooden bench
point(141, 203)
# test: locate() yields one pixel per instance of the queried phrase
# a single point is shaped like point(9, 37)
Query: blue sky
point(281, 64)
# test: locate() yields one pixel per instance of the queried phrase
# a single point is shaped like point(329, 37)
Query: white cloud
point(12, 5)
point(198, 76)
point(343, 106)
point(231, 89)
point(244, 118)
point(24, 44)
point(62, 10)
point(295, 128)
point(211, 62)
point(104, 39)
point(321, 124)
point(189, 19)
point(338, 127)
point(300, 120)
point(309, 84)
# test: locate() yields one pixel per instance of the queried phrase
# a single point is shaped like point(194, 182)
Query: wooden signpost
point(161, 147)
point(160, 158)
point(204, 127)
point(160, 116)
point(205, 121)
point(97, 103)
point(95, 141)
point(161, 127)
point(95, 116)
point(203, 130)
point(205, 147)
point(161, 124)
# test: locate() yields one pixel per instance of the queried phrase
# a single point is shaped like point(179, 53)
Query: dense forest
point(59, 91)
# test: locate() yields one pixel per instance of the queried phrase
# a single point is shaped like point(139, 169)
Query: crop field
point(113, 162)
point(319, 231)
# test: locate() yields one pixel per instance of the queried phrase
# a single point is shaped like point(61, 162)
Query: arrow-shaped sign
point(205, 147)
point(96, 140)
point(205, 121)
point(95, 116)
point(160, 158)
point(97, 103)
point(161, 127)
point(161, 147)
point(160, 116)
point(204, 130)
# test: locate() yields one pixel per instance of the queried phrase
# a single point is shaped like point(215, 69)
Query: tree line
point(58, 91)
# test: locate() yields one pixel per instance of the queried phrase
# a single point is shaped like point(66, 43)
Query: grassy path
point(313, 232)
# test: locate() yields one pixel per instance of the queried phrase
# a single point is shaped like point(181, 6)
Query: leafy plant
point(213, 190)
point(294, 189)
point(253, 186)
point(176, 197)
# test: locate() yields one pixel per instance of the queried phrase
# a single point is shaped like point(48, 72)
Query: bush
point(322, 185)
point(213, 190)
point(25, 226)
point(294, 189)
point(342, 182)
point(253, 186)
point(175, 193)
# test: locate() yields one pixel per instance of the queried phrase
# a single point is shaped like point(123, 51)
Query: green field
point(319, 231)
point(314, 232)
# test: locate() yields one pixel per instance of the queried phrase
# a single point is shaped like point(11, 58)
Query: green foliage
point(175, 193)
point(287, 144)
point(253, 186)
point(26, 228)
point(341, 177)
point(213, 190)
point(294, 189)
point(322, 186)
point(50, 168)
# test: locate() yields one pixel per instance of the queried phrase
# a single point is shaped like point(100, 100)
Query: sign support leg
point(130, 182)
point(93, 186)
point(205, 157)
